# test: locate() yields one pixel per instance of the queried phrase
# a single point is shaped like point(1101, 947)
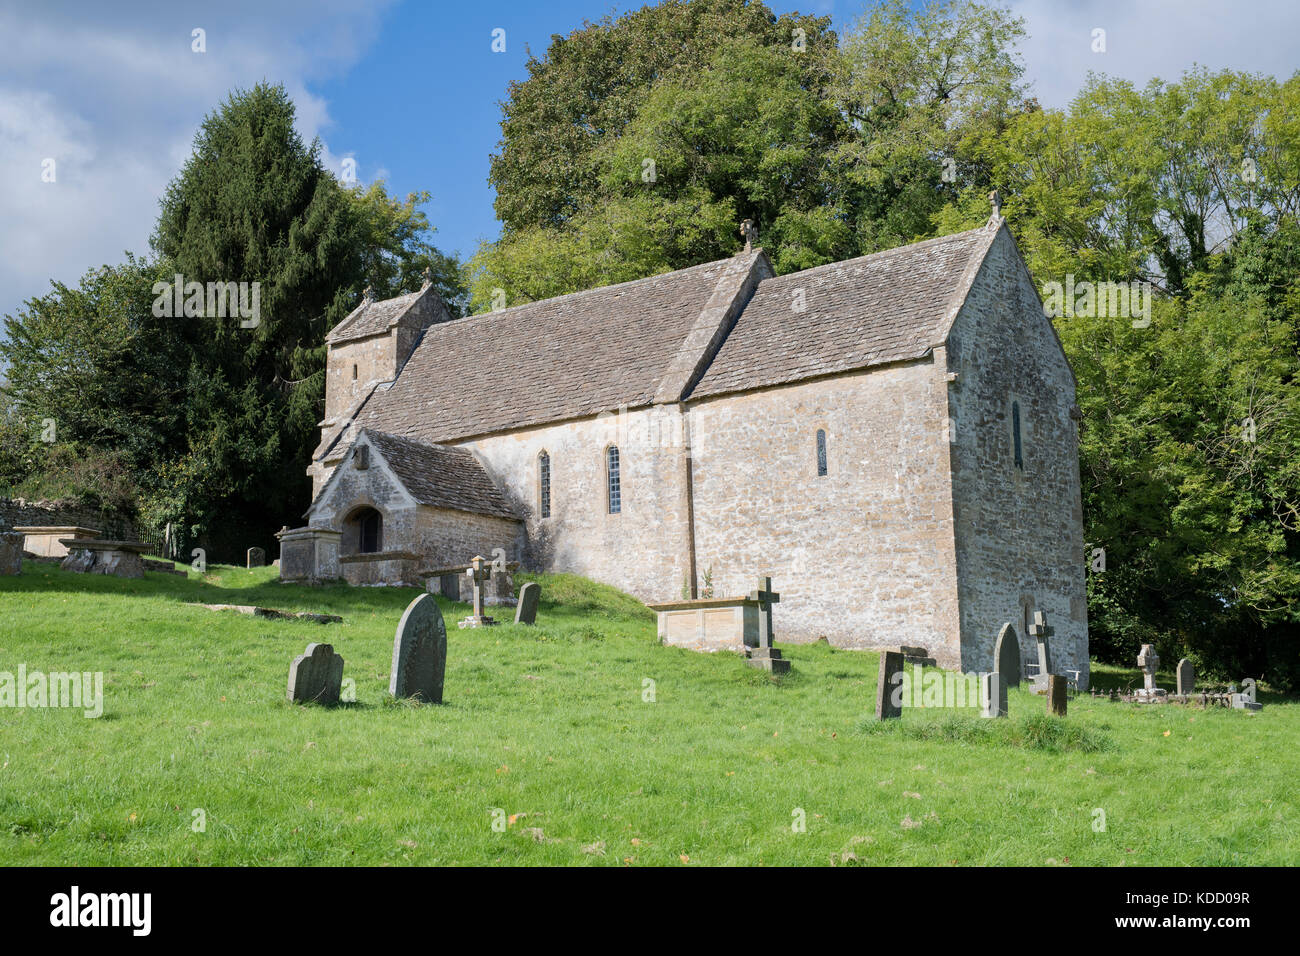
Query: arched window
point(821, 452)
point(1015, 435)
point(363, 532)
point(613, 484)
point(544, 484)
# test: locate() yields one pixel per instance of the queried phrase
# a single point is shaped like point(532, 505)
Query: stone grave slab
point(1006, 656)
point(316, 676)
point(529, 595)
point(419, 652)
point(889, 677)
point(993, 695)
point(1057, 694)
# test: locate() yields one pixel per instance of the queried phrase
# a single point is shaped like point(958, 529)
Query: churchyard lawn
point(584, 742)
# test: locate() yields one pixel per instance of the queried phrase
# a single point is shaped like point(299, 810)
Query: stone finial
point(369, 295)
point(996, 201)
point(427, 275)
point(749, 232)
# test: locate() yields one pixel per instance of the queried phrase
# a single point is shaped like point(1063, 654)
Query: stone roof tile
point(560, 358)
point(440, 475)
point(885, 307)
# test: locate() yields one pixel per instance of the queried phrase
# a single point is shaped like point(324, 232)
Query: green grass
point(548, 726)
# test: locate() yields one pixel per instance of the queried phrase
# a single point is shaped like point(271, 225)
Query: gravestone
point(891, 676)
point(1246, 699)
point(256, 557)
point(99, 556)
point(419, 652)
point(765, 656)
point(1056, 694)
point(1149, 660)
point(316, 676)
point(917, 656)
point(1042, 633)
point(1006, 656)
point(1186, 677)
point(993, 695)
point(529, 595)
point(479, 571)
point(11, 550)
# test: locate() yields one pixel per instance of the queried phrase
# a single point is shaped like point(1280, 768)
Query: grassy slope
point(548, 724)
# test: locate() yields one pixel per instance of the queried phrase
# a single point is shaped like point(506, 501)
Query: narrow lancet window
point(544, 484)
point(614, 485)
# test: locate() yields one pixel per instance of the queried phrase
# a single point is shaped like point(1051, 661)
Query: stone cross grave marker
point(529, 595)
point(256, 557)
point(1149, 660)
point(765, 656)
point(316, 676)
point(1057, 688)
point(1042, 633)
point(891, 675)
point(479, 571)
point(1006, 657)
point(993, 695)
point(419, 652)
point(1186, 677)
point(765, 597)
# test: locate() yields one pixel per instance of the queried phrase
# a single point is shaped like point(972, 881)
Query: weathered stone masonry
point(923, 531)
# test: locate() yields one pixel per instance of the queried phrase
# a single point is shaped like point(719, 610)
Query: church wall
point(1019, 532)
point(375, 361)
point(643, 549)
point(445, 537)
point(863, 555)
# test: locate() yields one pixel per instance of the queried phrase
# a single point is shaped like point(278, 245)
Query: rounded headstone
point(316, 676)
point(419, 652)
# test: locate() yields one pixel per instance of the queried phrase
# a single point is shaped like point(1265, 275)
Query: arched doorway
point(363, 532)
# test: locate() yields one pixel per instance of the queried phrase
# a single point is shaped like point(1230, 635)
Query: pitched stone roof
point(439, 475)
point(546, 361)
point(377, 318)
point(671, 337)
point(885, 307)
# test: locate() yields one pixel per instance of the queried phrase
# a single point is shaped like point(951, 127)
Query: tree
point(638, 145)
point(213, 414)
point(591, 84)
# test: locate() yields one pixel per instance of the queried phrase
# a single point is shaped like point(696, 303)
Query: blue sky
point(114, 93)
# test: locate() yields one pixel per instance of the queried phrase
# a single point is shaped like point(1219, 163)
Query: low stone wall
point(381, 567)
point(19, 511)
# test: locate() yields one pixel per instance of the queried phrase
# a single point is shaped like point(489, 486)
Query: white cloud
point(1153, 38)
point(114, 94)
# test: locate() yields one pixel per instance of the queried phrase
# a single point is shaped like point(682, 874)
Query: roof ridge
point(882, 253)
point(600, 288)
point(366, 304)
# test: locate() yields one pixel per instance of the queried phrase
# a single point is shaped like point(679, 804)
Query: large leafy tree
point(638, 145)
point(214, 417)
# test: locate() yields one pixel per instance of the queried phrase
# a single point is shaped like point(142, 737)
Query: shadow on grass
point(576, 605)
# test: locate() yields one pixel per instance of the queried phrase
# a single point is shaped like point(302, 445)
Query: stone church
point(893, 439)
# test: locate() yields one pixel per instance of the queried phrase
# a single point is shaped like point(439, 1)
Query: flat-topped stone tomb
point(99, 556)
point(48, 541)
point(709, 624)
